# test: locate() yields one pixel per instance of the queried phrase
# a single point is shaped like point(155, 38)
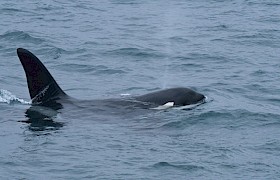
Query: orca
point(45, 91)
point(48, 99)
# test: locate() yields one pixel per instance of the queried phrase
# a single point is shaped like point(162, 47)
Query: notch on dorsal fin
point(42, 86)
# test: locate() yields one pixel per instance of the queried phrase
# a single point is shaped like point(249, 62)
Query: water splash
point(9, 98)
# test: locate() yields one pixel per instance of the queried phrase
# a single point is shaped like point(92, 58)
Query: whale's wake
point(9, 98)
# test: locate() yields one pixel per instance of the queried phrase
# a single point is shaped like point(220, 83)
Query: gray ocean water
point(227, 50)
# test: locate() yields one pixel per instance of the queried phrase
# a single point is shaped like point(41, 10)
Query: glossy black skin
point(38, 78)
point(180, 97)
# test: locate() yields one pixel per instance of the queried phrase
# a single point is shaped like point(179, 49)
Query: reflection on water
point(43, 118)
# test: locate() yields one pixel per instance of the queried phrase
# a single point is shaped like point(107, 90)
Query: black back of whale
point(179, 96)
point(43, 89)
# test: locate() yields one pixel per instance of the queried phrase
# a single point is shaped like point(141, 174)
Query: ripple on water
point(187, 167)
point(91, 69)
point(21, 36)
point(141, 53)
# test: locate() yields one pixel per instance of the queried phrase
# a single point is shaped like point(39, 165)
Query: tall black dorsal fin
point(42, 86)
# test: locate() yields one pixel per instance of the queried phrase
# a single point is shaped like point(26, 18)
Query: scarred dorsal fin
point(42, 86)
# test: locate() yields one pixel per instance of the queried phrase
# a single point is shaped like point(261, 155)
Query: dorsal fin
point(42, 86)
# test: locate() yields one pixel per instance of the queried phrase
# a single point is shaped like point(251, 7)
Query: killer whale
point(45, 91)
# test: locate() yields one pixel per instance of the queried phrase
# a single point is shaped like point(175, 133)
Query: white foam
point(125, 94)
point(9, 98)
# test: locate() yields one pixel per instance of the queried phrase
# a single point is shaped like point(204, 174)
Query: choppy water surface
point(227, 50)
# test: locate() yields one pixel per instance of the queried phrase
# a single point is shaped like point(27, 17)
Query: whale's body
point(45, 91)
point(48, 99)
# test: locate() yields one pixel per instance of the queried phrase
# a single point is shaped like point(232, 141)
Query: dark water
point(227, 50)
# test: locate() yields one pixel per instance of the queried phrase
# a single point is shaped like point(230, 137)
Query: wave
point(230, 119)
point(11, 10)
point(83, 68)
point(9, 98)
point(144, 53)
point(20, 36)
point(177, 166)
